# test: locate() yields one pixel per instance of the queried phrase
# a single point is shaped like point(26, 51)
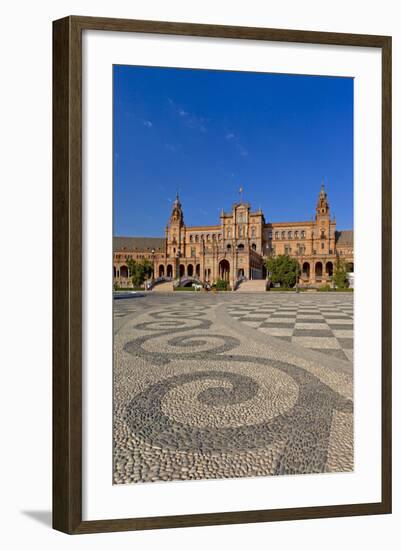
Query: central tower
point(175, 231)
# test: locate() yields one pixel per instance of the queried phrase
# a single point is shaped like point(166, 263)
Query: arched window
point(208, 237)
point(329, 269)
point(228, 233)
point(305, 270)
point(241, 247)
point(270, 234)
point(296, 234)
point(283, 234)
point(253, 232)
point(229, 247)
point(253, 246)
point(276, 235)
point(290, 234)
point(191, 239)
point(196, 238)
point(302, 234)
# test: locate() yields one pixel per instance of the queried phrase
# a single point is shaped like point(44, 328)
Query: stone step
point(167, 286)
point(257, 285)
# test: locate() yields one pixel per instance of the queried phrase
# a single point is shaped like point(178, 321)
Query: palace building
point(238, 247)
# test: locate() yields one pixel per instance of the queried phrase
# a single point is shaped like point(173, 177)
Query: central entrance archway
point(224, 270)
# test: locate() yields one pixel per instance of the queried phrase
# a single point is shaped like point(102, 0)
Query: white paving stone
point(314, 326)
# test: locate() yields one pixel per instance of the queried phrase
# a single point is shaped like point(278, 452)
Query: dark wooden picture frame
point(67, 278)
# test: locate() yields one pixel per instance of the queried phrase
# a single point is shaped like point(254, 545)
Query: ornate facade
point(239, 246)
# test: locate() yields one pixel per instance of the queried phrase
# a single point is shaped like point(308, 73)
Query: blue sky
point(206, 133)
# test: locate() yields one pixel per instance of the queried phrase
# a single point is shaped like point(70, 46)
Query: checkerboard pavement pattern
point(323, 327)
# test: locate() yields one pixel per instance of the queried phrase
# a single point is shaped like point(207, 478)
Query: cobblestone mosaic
point(199, 394)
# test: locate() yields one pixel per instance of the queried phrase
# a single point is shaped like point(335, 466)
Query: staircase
point(165, 286)
point(257, 285)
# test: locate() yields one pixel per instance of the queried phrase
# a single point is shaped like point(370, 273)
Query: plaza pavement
point(232, 385)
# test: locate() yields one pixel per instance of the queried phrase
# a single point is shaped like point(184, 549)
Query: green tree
point(139, 271)
point(340, 274)
point(283, 269)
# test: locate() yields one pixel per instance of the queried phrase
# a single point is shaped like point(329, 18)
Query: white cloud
point(171, 147)
point(234, 138)
point(147, 123)
point(242, 151)
point(190, 120)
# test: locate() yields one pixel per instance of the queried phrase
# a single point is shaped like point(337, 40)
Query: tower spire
point(322, 207)
point(177, 214)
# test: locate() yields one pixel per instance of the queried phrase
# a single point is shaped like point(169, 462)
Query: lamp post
point(153, 262)
point(178, 267)
point(235, 267)
point(297, 280)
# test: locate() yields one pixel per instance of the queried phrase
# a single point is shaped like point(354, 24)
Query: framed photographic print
point(222, 274)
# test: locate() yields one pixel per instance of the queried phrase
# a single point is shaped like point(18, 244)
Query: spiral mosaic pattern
point(198, 396)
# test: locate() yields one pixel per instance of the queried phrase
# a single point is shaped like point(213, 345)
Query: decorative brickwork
point(239, 246)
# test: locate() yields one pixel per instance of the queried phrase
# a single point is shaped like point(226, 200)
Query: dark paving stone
point(335, 316)
point(280, 316)
point(338, 353)
point(341, 327)
point(313, 333)
point(277, 325)
point(346, 343)
point(303, 320)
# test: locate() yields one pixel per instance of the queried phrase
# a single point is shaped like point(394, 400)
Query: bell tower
point(177, 215)
point(324, 234)
point(175, 230)
point(322, 207)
